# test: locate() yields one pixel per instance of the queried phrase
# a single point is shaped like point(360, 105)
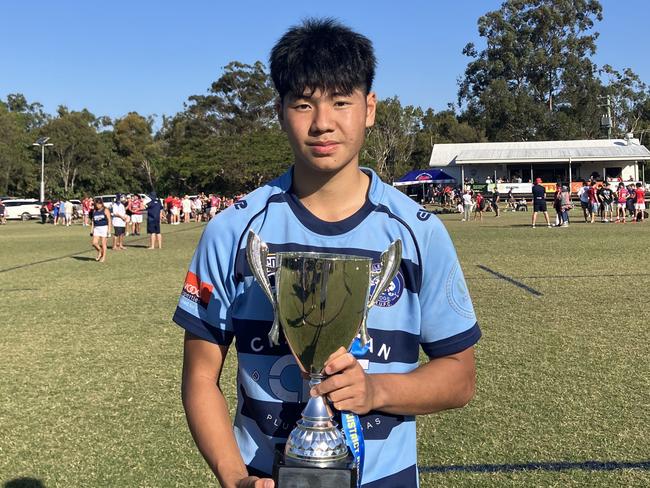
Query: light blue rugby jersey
point(427, 305)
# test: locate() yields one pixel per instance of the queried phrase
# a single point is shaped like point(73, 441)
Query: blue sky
point(149, 56)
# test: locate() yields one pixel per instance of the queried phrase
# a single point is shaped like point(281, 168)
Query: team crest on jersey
point(196, 290)
point(390, 295)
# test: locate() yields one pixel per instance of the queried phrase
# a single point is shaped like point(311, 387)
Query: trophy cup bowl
point(321, 302)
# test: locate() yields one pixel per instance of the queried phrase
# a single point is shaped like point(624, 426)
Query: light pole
point(42, 142)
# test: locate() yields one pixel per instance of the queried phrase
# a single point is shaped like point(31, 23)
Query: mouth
point(323, 147)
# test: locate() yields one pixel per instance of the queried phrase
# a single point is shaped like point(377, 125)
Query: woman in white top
point(187, 209)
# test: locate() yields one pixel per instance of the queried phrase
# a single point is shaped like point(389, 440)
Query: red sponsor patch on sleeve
point(196, 290)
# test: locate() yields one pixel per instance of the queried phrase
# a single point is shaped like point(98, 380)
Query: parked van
point(22, 208)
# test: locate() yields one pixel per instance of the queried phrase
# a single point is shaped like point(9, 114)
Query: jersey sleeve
point(208, 292)
point(448, 321)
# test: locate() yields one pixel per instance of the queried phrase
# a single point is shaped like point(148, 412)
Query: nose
point(322, 120)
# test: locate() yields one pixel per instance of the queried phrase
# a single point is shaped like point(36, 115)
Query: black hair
point(322, 54)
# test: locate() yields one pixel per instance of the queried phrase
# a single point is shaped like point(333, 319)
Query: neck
point(331, 196)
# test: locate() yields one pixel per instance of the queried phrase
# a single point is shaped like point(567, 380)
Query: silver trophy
point(321, 301)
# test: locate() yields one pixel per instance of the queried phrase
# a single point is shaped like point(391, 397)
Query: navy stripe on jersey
point(278, 419)
point(387, 346)
point(407, 478)
point(252, 338)
point(410, 270)
point(201, 328)
point(453, 344)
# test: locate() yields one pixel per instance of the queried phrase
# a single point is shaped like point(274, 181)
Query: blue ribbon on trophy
point(350, 421)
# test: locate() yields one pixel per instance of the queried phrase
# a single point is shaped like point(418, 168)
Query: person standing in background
point(565, 205)
point(495, 202)
point(68, 208)
point(606, 197)
point(55, 212)
point(467, 206)
point(136, 214)
point(187, 209)
point(539, 202)
point(154, 210)
point(119, 223)
point(214, 205)
point(593, 200)
point(480, 206)
point(3, 219)
point(583, 195)
point(86, 205)
point(639, 205)
point(621, 198)
point(100, 229)
point(197, 207)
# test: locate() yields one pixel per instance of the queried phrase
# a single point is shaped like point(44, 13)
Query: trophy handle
point(390, 260)
point(256, 252)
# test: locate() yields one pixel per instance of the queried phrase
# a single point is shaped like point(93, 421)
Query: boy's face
point(326, 130)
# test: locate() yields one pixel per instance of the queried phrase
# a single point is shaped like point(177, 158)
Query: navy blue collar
point(323, 227)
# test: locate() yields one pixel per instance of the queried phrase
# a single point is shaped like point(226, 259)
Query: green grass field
point(90, 360)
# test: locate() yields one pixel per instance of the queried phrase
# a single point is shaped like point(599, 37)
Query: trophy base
point(293, 474)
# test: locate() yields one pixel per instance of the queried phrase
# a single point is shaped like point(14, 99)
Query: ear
point(279, 113)
point(371, 108)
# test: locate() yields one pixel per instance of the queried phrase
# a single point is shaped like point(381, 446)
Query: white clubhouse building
point(565, 161)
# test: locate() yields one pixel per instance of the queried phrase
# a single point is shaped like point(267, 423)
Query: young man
point(605, 197)
point(154, 210)
point(539, 202)
point(639, 204)
point(480, 206)
point(323, 73)
point(495, 201)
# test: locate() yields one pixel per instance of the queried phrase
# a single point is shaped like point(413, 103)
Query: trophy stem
point(316, 440)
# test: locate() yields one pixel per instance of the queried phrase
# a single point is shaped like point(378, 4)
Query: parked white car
point(22, 208)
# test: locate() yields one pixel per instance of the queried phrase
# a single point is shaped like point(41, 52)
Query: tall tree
point(629, 98)
point(17, 166)
point(76, 146)
point(534, 49)
point(391, 140)
point(134, 143)
point(241, 100)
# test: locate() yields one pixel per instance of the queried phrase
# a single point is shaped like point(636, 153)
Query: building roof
point(538, 152)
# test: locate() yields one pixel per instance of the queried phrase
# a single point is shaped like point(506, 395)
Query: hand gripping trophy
point(321, 301)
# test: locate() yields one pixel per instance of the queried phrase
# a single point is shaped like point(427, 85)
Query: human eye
point(301, 106)
point(342, 103)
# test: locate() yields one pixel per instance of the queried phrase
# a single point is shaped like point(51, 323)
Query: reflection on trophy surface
point(321, 302)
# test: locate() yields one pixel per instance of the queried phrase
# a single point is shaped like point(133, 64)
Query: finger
point(340, 351)
point(332, 383)
point(248, 482)
point(341, 394)
point(264, 483)
point(340, 363)
point(349, 405)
